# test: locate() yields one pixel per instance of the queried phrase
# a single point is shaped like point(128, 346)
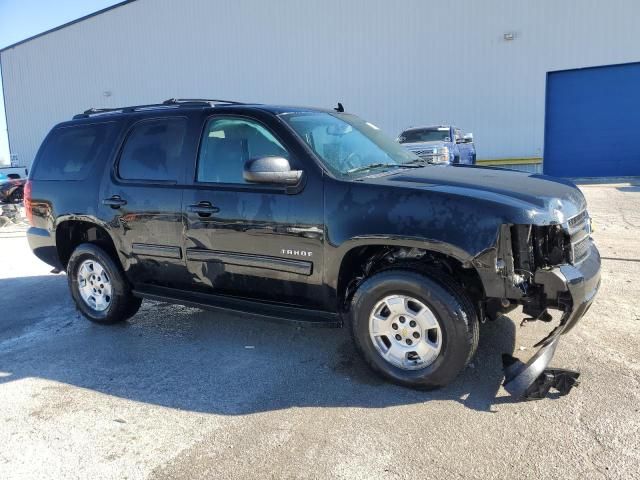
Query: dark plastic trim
point(269, 311)
point(299, 267)
point(164, 251)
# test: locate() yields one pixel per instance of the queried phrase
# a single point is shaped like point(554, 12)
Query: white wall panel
point(394, 63)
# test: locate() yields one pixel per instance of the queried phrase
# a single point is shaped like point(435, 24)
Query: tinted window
point(70, 152)
point(153, 151)
point(436, 134)
point(228, 143)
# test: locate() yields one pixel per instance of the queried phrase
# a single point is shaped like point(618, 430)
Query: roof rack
point(174, 101)
point(171, 103)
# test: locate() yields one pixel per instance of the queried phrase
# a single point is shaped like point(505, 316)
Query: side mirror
point(275, 170)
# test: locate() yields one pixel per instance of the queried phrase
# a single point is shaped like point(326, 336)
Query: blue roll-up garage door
point(592, 123)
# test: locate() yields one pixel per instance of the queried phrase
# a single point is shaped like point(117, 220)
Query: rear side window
point(70, 152)
point(153, 151)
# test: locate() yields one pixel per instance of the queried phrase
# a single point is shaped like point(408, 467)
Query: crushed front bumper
point(577, 283)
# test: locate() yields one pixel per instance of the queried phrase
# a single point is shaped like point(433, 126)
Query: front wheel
point(413, 329)
point(99, 287)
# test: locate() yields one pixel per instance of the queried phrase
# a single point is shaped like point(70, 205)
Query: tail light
point(28, 208)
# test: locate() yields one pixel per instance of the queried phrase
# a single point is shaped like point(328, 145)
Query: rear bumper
point(43, 246)
point(577, 285)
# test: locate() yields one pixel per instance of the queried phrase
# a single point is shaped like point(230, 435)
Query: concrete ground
point(181, 393)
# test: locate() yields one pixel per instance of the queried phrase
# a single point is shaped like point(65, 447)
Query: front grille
point(580, 234)
point(424, 153)
point(580, 249)
point(577, 221)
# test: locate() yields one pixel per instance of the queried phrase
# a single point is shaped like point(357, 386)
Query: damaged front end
point(542, 268)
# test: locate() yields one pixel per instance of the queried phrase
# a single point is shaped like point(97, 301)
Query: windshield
point(346, 144)
point(436, 134)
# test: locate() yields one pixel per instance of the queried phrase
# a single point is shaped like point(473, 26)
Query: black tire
point(123, 304)
point(452, 308)
point(16, 196)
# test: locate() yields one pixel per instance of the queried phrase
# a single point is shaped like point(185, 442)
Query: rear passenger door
point(251, 240)
point(142, 199)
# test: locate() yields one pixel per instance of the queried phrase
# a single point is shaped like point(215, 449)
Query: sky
point(21, 19)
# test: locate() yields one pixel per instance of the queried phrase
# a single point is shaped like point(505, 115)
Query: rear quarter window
point(70, 152)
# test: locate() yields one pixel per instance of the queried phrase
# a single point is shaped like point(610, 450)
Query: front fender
point(445, 222)
point(334, 261)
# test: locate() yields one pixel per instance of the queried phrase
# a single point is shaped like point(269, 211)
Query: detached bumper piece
point(533, 380)
point(559, 379)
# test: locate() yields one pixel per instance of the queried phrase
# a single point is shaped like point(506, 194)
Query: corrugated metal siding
point(395, 63)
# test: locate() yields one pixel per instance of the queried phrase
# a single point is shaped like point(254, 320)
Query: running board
point(269, 311)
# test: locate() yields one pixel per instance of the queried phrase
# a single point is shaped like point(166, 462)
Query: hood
point(545, 199)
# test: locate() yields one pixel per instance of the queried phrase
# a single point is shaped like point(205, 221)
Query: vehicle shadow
point(630, 188)
point(220, 363)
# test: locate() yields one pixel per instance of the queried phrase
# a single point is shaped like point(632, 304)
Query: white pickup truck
point(14, 172)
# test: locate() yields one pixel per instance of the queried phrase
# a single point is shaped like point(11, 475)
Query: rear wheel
point(413, 329)
point(99, 287)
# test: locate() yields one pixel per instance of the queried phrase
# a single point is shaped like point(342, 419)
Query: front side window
point(227, 143)
point(435, 134)
point(346, 144)
point(153, 151)
point(70, 152)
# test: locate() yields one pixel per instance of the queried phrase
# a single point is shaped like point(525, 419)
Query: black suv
point(310, 216)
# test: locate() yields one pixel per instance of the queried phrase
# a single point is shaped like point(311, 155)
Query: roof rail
point(174, 101)
point(171, 103)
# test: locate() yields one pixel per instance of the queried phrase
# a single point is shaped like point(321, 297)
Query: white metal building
point(481, 65)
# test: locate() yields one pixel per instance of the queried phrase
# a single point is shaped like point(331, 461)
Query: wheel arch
point(361, 259)
point(73, 231)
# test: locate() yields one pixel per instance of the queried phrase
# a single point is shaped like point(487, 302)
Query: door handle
point(204, 209)
point(114, 201)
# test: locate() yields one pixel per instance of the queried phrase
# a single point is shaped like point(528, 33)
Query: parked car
point(441, 144)
point(15, 172)
point(309, 216)
point(11, 189)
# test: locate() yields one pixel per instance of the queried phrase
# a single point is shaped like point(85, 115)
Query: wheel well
point(72, 233)
point(361, 262)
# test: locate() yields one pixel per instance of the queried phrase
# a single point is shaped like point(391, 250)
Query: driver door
point(251, 240)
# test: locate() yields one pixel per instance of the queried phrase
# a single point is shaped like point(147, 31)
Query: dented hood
point(556, 198)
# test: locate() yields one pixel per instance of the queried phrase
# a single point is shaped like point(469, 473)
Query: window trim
point(258, 187)
point(116, 165)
